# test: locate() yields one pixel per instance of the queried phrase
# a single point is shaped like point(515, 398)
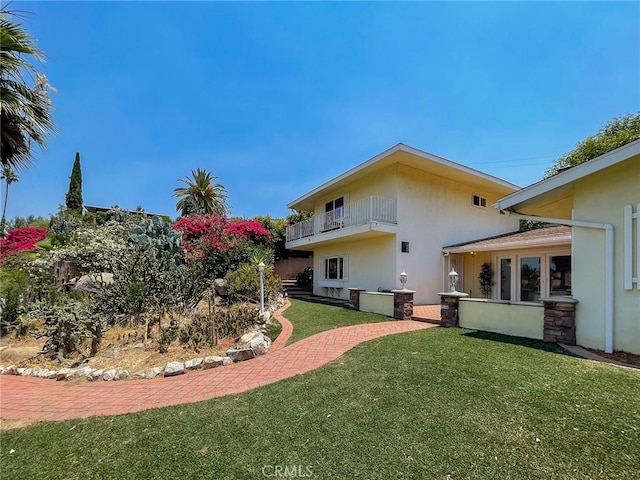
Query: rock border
point(249, 346)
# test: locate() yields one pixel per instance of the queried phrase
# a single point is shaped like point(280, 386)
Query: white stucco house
point(599, 200)
point(394, 213)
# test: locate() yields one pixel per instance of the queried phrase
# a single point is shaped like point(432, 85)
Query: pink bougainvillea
point(20, 239)
point(217, 232)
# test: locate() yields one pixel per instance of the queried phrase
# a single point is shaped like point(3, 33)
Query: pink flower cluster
point(217, 232)
point(20, 239)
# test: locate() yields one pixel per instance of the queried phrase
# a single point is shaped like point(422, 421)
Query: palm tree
point(9, 176)
point(201, 196)
point(24, 109)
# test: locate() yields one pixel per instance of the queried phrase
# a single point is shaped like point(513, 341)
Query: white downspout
point(608, 268)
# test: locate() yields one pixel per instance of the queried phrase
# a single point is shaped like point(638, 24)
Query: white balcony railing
point(366, 210)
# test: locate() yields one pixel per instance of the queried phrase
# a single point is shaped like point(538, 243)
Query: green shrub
point(304, 279)
point(11, 309)
point(244, 284)
point(236, 319)
point(70, 328)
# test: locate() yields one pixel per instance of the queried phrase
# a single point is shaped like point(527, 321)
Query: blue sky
point(277, 98)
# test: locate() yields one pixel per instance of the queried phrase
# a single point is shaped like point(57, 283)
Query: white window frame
point(344, 259)
point(482, 201)
point(516, 256)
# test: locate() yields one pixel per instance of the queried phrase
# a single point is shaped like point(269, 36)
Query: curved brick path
point(28, 398)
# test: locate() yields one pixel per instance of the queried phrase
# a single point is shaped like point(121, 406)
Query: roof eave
point(569, 176)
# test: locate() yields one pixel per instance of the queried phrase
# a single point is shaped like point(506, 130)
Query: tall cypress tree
point(74, 195)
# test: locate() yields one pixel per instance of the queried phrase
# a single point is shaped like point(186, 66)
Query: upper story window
point(479, 201)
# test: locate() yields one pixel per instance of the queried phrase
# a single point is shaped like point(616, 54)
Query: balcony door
point(333, 214)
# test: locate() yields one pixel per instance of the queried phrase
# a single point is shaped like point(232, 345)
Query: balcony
point(370, 216)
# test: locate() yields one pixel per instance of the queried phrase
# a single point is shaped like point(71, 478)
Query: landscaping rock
point(95, 375)
point(124, 374)
point(153, 372)
point(173, 368)
point(221, 287)
point(240, 354)
point(260, 344)
point(194, 363)
point(10, 370)
point(266, 316)
point(212, 362)
point(92, 283)
point(139, 375)
point(139, 345)
point(61, 374)
point(73, 373)
point(109, 375)
point(54, 375)
point(227, 361)
point(247, 337)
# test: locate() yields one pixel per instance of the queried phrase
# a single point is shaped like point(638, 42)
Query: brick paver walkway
point(28, 398)
point(426, 313)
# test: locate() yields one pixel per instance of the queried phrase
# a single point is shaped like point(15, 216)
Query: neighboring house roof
point(93, 209)
point(547, 236)
point(406, 155)
point(557, 191)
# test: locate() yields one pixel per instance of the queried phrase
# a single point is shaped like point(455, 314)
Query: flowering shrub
point(93, 249)
point(217, 232)
point(20, 239)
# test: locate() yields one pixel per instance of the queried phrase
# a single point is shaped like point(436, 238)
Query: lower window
point(334, 268)
point(528, 276)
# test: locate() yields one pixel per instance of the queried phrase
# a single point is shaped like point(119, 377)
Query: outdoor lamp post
point(403, 280)
point(261, 266)
point(453, 280)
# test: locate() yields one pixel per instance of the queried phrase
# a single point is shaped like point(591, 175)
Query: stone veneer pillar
point(403, 304)
point(354, 298)
point(559, 320)
point(449, 305)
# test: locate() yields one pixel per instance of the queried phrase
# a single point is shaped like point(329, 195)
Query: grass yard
point(311, 317)
point(433, 404)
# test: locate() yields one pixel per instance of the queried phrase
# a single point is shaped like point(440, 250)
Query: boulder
point(227, 361)
point(153, 372)
point(139, 375)
point(240, 354)
point(62, 374)
point(124, 374)
point(212, 362)
point(10, 370)
point(194, 363)
point(92, 283)
point(173, 368)
point(95, 375)
point(109, 375)
point(221, 287)
point(260, 344)
point(246, 338)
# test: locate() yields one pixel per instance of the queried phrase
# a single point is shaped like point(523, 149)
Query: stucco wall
point(518, 320)
point(381, 183)
point(377, 303)
point(371, 264)
point(434, 212)
point(601, 198)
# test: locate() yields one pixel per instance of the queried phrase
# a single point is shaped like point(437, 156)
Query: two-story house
point(392, 214)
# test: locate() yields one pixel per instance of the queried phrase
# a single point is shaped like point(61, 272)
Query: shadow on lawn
point(523, 342)
point(332, 302)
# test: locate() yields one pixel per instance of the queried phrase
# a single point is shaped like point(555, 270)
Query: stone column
point(449, 305)
point(403, 304)
point(354, 298)
point(559, 320)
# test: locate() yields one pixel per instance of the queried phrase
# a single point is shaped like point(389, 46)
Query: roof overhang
point(543, 237)
point(410, 156)
point(554, 195)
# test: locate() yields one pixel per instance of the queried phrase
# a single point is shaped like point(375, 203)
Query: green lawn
point(433, 404)
point(310, 317)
